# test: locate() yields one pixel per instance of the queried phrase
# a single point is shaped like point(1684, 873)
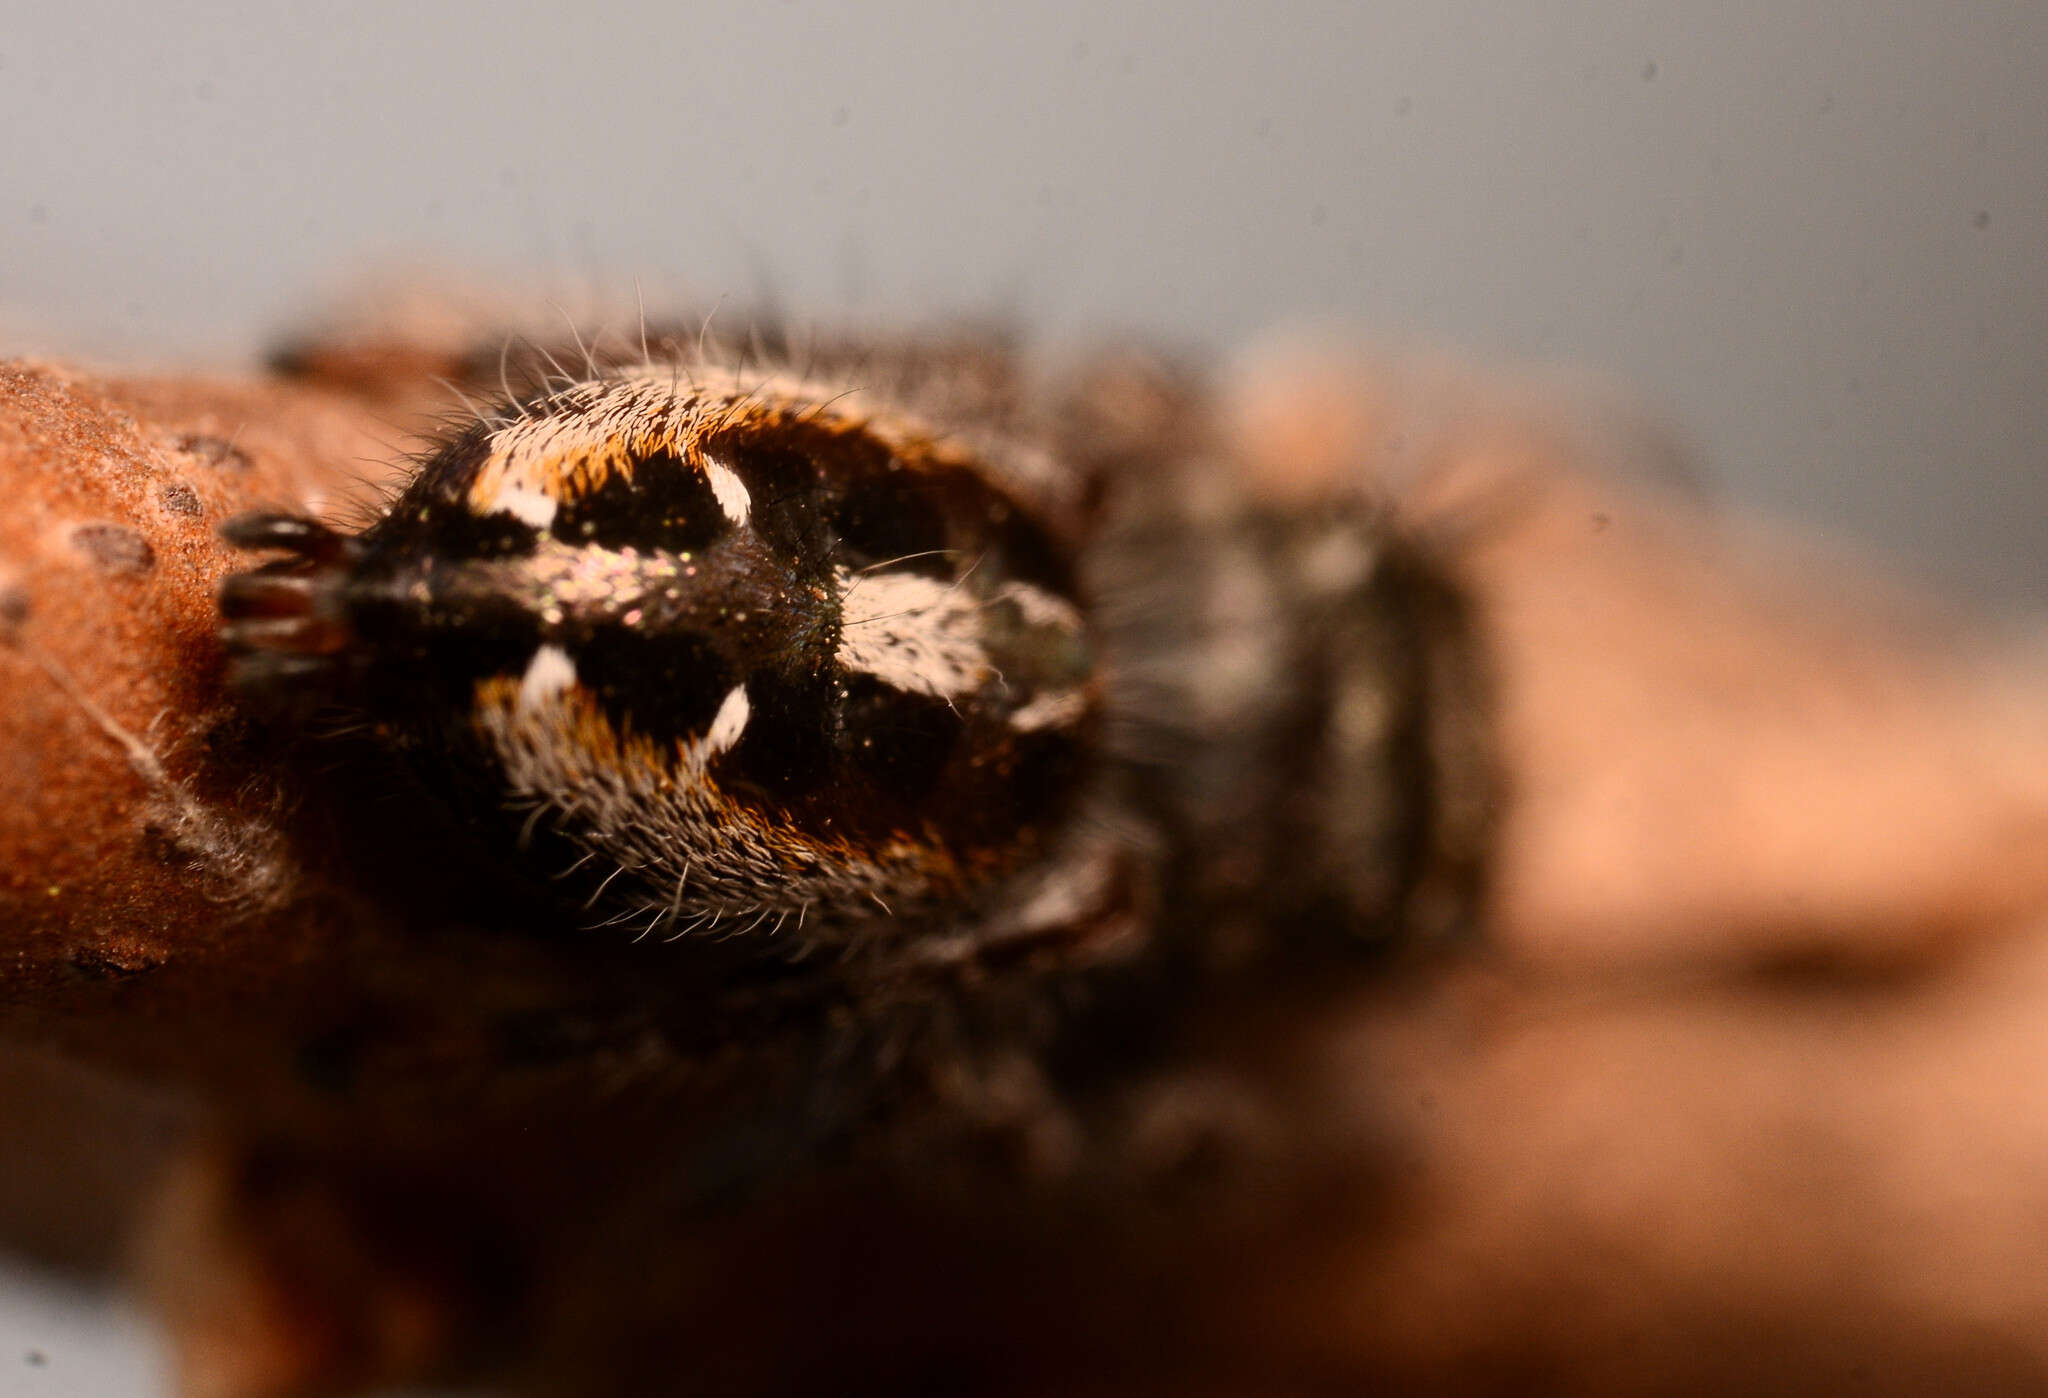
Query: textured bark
point(142, 859)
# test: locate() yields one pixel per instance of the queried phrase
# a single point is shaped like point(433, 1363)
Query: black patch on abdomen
point(663, 686)
point(892, 521)
point(665, 504)
point(1045, 767)
point(901, 742)
point(787, 748)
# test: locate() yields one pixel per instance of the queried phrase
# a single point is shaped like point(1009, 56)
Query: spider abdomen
point(757, 651)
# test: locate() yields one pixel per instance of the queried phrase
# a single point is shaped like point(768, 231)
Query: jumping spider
point(954, 751)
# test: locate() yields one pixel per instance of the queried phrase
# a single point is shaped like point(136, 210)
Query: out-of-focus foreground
point(1739, 1091)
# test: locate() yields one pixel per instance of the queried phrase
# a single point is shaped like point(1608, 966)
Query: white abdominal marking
point(548, 674)
point(730, 721)
point(912, 633)
point(525, 504)
point(1037, 607)
point(730, 492)
point(1062, 709)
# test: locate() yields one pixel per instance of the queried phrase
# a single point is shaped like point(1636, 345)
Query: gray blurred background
point(1813, 234)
